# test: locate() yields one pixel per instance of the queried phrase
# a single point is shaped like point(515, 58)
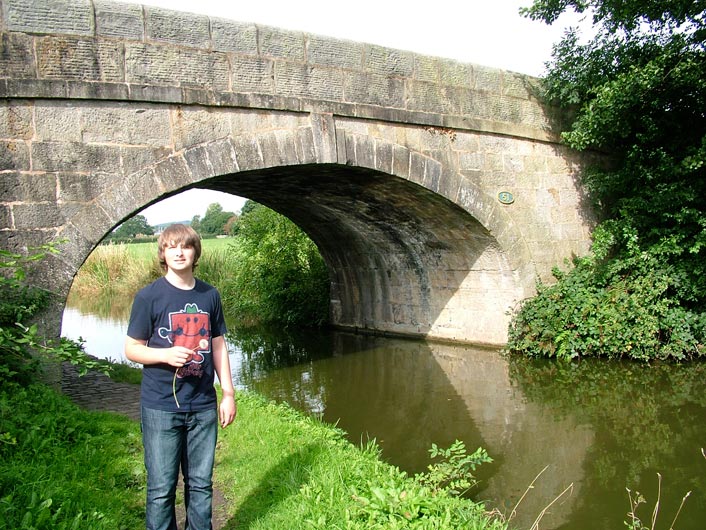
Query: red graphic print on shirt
point(191, 328)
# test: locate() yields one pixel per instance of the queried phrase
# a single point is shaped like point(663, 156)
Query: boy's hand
point(228, 410)
point(177, 356)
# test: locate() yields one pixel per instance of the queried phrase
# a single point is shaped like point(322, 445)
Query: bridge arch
point(393, 163)
point(404, 258)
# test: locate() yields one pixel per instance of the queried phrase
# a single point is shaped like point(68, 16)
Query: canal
point(579, 434)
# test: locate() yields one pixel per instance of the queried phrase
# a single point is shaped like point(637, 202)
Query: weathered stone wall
point(391, 161)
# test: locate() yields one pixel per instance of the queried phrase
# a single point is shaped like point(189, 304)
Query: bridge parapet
point(83, 49)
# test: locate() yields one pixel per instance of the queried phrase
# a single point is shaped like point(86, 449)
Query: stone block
point(136, 189)
point(137, 158)
point(67, 57)
point(278, 148)
point(58, 120)
point(400, 161)
point(129, 124)
point(37, 215)
point(388, 62)
point(119, 20)
point(16, 121)
point(487, 79)
point(247, 153)
point(432, 175)
point(17, 56)
point(97, 90)
point(426, 68)
point(417, 167)
point(81, 188)
point(304, 145)
point(195, 125)
point(383, 157)
point(176, 27)
point(302, 80)
point(252, 75)
point(373, 89)
point(72, 17)
point(197, 162)
point(364, 149)
point(221, 157)
point(231, 36)
point(74, 156)
point(323, 129)
point(336, 53)
point(5, 224)
point(426, 97)
point(454, 73)
point(27, 187)
point(519, 86)
point(172, 174)
point(167, 65)
point(91, 223)
point(281, 44)
point(14, 156)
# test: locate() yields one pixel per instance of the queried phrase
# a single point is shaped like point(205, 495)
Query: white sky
point(486, 32)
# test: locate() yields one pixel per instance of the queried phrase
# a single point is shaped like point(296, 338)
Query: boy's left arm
point(228, 409)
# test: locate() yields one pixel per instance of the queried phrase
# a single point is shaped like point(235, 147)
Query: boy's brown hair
point(175, 234)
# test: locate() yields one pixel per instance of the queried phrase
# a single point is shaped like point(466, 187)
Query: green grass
point(64, 467)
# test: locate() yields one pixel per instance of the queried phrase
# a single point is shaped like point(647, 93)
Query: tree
point(637, 93)
point(134, 227)
point(214, 220)
point(196, 223)
point(282, 278)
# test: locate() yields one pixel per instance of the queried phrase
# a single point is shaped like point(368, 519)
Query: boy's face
point(179, 257)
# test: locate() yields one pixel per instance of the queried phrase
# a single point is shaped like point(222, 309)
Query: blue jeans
point(172, 439)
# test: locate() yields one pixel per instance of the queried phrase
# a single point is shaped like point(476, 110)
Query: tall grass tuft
point(114, 270)
point(217, 266)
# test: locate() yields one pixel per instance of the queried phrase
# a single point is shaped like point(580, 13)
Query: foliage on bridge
point(637, 88)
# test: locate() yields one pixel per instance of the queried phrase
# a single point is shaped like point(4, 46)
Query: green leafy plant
point(454, 472)
point(21, 344)
point(282, 278)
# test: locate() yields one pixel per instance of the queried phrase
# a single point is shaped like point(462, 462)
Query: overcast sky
point(486, 32)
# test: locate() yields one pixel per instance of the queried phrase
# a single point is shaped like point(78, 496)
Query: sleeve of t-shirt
point(218, 322)
point(140, 324)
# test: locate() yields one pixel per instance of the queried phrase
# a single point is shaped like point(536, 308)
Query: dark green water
point(590, 428)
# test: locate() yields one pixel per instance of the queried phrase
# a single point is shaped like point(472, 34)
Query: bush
point(20, 341)
point(618, 307)
point(281, 279)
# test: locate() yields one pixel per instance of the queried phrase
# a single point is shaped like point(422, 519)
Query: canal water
point(568, 440)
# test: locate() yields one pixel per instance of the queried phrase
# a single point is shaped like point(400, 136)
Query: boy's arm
point(137, 351)
point(228, 408)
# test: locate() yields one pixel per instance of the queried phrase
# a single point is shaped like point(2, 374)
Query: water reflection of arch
point(518, 430)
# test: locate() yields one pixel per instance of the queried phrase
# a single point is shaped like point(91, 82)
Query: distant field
point(148, 251)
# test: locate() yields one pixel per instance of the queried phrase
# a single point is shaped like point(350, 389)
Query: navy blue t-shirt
point(167, 316)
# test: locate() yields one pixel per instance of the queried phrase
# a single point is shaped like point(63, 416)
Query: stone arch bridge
point(436, 191)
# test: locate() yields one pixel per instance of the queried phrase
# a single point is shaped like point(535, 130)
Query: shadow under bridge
point(402, 259)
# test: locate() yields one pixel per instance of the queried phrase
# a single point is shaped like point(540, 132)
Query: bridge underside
point(402, 259)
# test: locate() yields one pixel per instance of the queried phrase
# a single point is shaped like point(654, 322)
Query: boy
point(176, 330)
